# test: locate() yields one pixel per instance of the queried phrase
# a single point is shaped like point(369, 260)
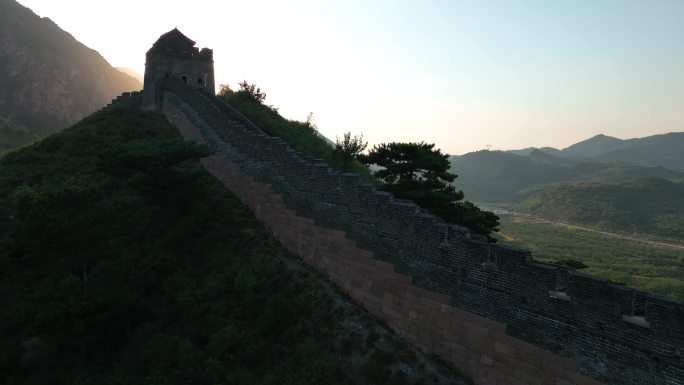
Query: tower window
point(199, 81)
point(184, 79)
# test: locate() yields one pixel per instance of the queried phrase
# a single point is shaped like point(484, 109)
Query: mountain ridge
point(665, 150)
point(593, 146)
point(52, 80)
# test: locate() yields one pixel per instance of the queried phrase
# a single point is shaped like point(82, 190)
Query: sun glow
point(461, 74)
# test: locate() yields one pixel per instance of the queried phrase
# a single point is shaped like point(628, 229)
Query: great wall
point(492, 311)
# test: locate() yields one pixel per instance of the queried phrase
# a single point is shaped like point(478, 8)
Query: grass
point(302, 136)
point(654, 269)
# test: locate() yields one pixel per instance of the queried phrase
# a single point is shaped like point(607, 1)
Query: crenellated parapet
point(165, 47)
point(134, 97)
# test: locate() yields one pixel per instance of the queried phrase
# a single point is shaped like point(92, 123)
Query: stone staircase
point(492, 311)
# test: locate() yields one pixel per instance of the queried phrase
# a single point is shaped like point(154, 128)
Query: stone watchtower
point(174, 55)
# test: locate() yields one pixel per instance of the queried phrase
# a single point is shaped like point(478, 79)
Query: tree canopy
point(419, 172)
point(349, 148)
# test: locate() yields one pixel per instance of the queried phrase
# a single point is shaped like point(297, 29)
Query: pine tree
point(419, 172)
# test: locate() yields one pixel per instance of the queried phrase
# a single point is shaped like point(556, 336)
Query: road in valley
point(667, 243)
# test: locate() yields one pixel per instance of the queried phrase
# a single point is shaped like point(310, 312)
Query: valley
point(603, 183)
point(642, 263)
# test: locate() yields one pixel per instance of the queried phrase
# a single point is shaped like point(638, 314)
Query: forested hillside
point(649, 206)
point(123, 262)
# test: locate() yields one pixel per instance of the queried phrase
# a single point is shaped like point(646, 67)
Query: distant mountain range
point(666, 150)
point(504, 177)
point(50, 80)
point(591, 182)
point(132, 73)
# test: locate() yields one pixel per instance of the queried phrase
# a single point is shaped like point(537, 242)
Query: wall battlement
point(614, 334)
point(133, 96)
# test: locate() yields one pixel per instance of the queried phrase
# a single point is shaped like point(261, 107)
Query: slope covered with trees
point(123, 262)
point(13, 135)
point(647, 206)
point(420, 173)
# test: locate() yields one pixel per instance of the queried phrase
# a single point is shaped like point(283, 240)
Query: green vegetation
point(612, 196)
point(418, 172)
point(646, 267)
point(300, 135)
point(13, 135)
point(349, 148)
point(123, 262)
point(502, 177)
point(646, 206)
point(431, 192)
point(571, 263)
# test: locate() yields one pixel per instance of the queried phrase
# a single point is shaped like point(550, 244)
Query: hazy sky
point(463, 74)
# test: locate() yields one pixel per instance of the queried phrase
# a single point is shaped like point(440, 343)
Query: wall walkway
point(492, 311)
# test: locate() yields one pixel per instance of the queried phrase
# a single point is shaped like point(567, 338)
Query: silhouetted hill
point(528, 150)
point(132, 73)
point(49, 80)
point(599, 144)
point(122, 261)
point(499, 176)
point(542, 155)
point(504, 177)
point(666, 150)
point(647, 205)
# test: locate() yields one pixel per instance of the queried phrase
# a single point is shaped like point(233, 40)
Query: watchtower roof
point(175, 43)
point(174, 39)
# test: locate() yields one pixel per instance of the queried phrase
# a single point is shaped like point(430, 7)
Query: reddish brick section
point(476, 345)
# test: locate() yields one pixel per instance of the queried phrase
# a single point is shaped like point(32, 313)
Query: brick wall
point(493, 311)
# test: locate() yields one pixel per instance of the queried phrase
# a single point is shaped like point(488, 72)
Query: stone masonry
point(493, 311)
point(174, 56)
